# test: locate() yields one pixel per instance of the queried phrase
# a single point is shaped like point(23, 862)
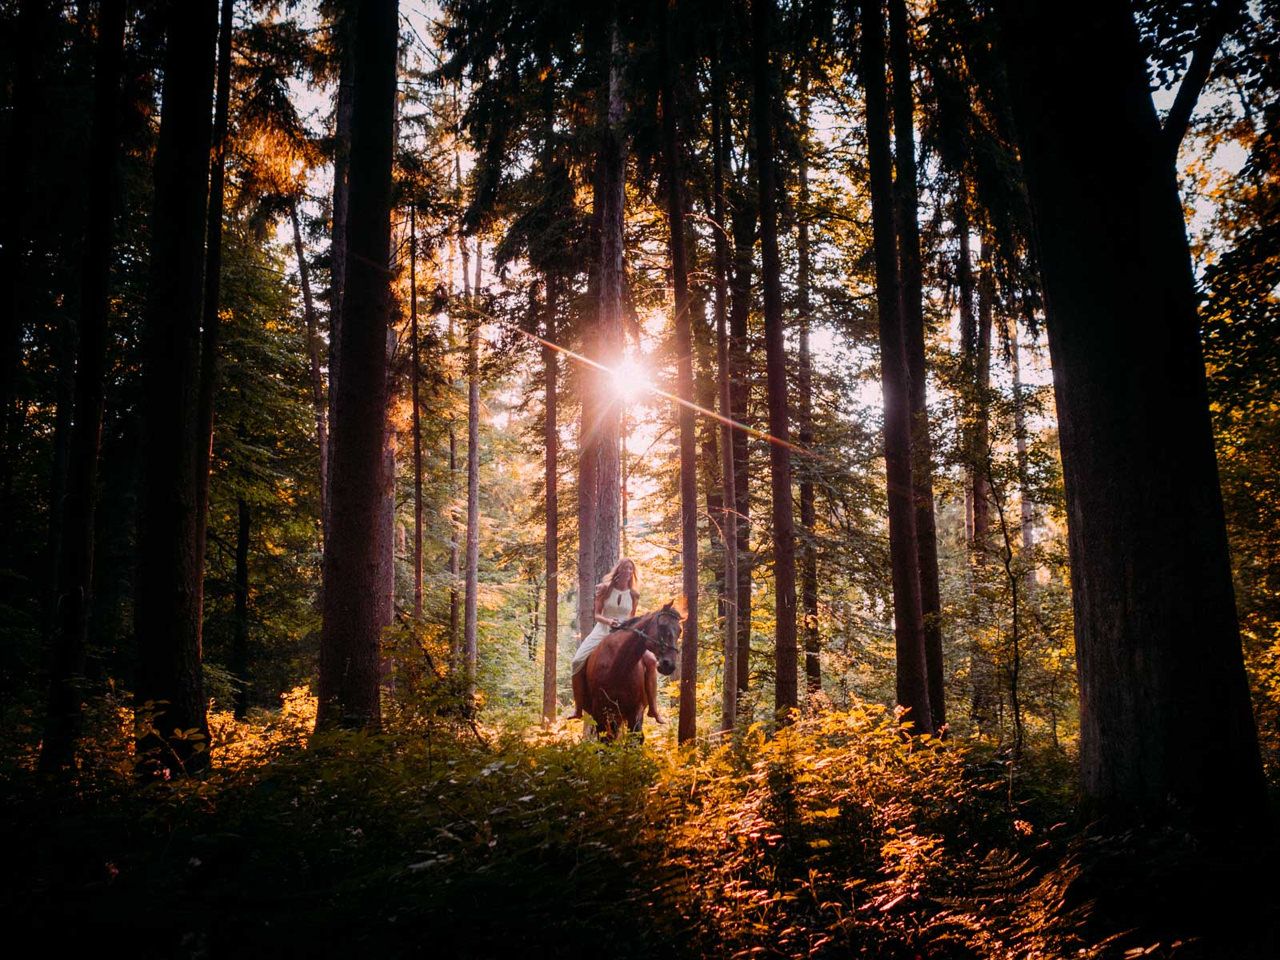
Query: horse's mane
point(635, 625)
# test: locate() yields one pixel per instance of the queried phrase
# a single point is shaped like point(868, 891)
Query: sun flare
point(630, 380)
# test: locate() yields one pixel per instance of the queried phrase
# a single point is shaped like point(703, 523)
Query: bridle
point(656, 617)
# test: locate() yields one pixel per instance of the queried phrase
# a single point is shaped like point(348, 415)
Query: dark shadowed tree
point(75, 572)
point(784, 534)
point(353, 607)
point(912, 681)
point(672, 147)
point(1165, 712)
point(211, 319)
point(906, 196)
point(169, 688)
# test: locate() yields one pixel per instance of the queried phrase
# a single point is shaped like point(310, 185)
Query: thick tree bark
point(784, 533)
point(808, 512)
point(906, 194)
point(743, 220)
point(240, 638)
point(473, 502)
point(729, 523)
point(1165, 714)
point(211, 319)
point(314, 347)
point(169, 687)
point(672, 147)
point(599, 474)
point(912, 679)
point(75, 572)
point(551, 541)
point(414, 377)
point(353, 609)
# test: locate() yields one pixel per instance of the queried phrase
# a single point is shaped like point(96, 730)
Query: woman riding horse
point(616, 598)
point(614, 676)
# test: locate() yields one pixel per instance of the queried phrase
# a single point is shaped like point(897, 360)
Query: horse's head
point(661, 636)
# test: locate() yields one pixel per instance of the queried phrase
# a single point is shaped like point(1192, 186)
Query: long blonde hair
point(610, 582)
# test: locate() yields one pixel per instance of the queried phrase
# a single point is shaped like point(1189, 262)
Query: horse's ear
point(681, 606)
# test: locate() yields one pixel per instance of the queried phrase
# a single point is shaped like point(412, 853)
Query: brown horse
point(615, 674)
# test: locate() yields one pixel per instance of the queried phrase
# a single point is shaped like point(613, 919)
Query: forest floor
point(829, 838)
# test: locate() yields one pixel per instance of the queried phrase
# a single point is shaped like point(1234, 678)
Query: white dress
point(618, 605)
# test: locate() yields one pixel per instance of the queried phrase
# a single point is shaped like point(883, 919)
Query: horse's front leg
point(636, 723)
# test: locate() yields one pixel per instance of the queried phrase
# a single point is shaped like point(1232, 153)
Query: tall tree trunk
point(808, 512)
point(170, 688)
point(75, 572)
point(414, 376)
point(342, 29)
point(1026, 507)
point(240, 638)
point(455, 597)
point(743, 220)
point(729, 524)
point(473, 501)
point(60, 462)
point(784, 533)
point(211, 320)
point(314, 346)
point(35, 27)
point(912, 679)
point(551, 541)
point(1157, 639)
point(980, 454)
point(671, 150)
point(906, 194)
point(968, 342)
point(599, 473)
point(353, 609)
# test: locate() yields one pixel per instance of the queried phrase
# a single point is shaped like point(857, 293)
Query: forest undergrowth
point(446, 837)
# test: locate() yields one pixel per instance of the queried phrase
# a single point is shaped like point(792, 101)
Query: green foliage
point(834, 836)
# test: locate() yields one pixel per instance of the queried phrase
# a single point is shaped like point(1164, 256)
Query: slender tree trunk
point(1026, 507)
point(169, 685)
point(906, 194)
point(671, 149)
point(353, 609)
point(1157, 639)
point(455, 568)
point(808, 512)
point(912, 679)
point(473, 501)
point(60, 462)
point(743, 218)
point(211, 321)
point(386, 530)
point(968, 343)
point(599, 473)
point(314, 346)
point(414, 376)
point(240, 639)
point(784, 533)
point(729, 526)
point(980, 455)
point(75, 573)
point(551, 541)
